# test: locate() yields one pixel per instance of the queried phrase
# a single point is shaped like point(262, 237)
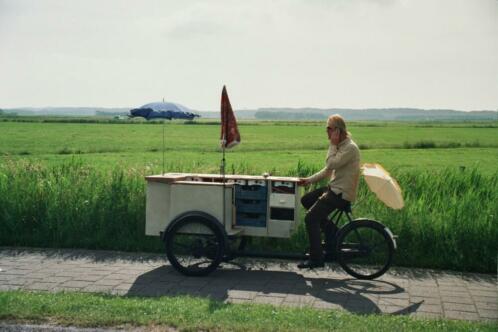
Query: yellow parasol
point(383, 185)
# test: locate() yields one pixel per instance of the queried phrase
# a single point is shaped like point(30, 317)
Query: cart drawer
point(283, 200)
point(283, 187)
point(250, 206)
point(251, 219)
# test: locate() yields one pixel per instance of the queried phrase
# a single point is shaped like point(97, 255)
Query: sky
point(294, 53)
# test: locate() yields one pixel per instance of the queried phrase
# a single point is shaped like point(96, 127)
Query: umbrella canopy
point(383, 185)
point(163, 110)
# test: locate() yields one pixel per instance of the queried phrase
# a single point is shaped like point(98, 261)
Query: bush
point(420, 145)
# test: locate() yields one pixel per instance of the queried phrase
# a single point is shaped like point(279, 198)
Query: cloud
point(351, 53)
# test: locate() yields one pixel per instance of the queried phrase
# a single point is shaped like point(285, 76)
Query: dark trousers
point(320, 203)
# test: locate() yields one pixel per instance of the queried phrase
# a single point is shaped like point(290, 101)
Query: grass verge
point(189, 313)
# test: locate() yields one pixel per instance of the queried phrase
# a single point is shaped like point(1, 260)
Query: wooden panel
point(197, 183)
point(166, 178)
point(172, 177)
point(279, 228)
point(208, 199)
point(157, 208)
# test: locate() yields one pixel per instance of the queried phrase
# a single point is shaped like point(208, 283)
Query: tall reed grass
point(450, 219)
point(72, 205)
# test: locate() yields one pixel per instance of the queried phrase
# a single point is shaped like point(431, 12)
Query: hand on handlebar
point(303, 182)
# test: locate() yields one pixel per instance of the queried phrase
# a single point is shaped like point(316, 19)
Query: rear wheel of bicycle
point(195, 246)
point(365, 249)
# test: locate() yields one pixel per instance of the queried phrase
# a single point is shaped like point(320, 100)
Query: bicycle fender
point(193, 214)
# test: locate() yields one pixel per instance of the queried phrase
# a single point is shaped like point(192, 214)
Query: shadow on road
point(357, 296)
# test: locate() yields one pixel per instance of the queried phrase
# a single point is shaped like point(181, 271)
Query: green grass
point(72, 205)
point(49, 138)
point(277, 162)
point(81, 184)
point(76, 205)
point(267, 146)
point(111, 120)
point(189, 313)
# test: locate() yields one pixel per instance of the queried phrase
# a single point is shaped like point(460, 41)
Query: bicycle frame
point(337, 216)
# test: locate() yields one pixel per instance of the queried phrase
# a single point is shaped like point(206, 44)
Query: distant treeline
point(282, 113)
point(64, 111)
point(102, 113)
point(265, 115)
point(373, 114)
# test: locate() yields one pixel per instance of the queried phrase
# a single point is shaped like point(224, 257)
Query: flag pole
point(223, 143)
point(223, 160)
point(163, 149)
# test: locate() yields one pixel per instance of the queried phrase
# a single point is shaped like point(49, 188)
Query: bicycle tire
point(352, 245)
point(210, 246)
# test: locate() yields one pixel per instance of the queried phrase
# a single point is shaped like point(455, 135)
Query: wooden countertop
point(174, 177)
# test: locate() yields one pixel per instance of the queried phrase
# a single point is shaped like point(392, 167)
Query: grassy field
point(267, 146)
point(200, 314)
point(81, 185)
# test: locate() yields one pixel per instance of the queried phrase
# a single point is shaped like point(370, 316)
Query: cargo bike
point(206, 219)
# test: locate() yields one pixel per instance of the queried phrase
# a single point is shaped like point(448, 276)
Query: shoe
point(310, 264)
point(328, 254)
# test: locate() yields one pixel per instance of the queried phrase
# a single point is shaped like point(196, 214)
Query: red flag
point(230, 136)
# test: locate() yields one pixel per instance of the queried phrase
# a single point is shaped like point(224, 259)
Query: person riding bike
point(342, 167)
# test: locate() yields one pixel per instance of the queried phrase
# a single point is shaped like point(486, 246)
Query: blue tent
point(163, 110)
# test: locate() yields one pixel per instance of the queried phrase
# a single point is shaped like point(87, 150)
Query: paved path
point(416, 292)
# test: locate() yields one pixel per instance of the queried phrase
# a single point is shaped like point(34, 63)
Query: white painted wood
point(280, 228)
point(188, 197)
point(172, 177)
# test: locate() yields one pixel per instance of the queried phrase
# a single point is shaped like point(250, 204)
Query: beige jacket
point(342, 166)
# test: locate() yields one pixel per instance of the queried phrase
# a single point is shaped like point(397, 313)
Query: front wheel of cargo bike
point(195, 246)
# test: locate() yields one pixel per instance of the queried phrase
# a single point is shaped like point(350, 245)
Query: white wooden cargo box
point(254, 205)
